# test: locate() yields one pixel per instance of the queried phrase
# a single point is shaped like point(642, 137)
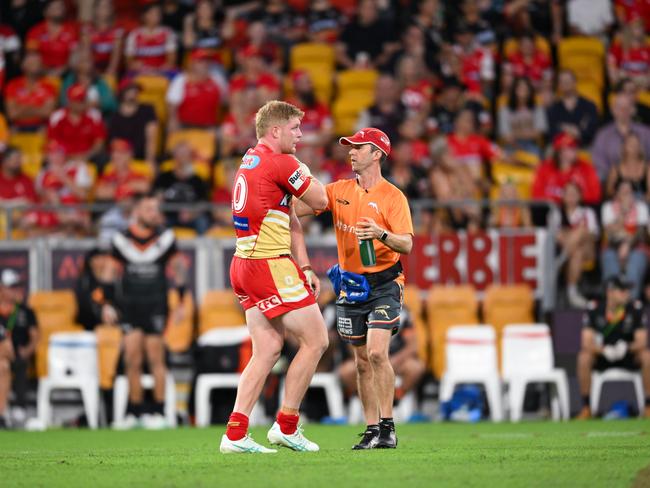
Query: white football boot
point(295, 441)
point(245, 445)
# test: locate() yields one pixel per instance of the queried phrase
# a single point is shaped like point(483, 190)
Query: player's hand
point(313, 281)
point(621, 349)
point(368, 229)
point(109, 315)
point(610, 353)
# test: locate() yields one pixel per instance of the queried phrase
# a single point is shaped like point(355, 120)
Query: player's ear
point(275, 131)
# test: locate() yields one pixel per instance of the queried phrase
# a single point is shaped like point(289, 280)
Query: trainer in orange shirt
point(369, 208)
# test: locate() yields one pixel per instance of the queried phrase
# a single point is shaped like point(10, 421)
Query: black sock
point(134, 409)
point(387, 423)
point(585, 400)
point(159, 407)
point(647, 401)
point(372, 427)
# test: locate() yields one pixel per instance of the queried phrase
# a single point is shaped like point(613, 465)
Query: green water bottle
point(367, 250)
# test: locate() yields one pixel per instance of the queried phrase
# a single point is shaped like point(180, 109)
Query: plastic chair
point(206, 382)
point(201, 141)
point(331, 385)
point(357, 83)
point(31, 146)
point(448, 306)
point(308, 54)
point(178, 335)
point(220, 308)
point(528, 358)
point(472, 358)
point(346, 110)
point(121, 397)
point(598, 379)
point(72, 363)
point(109, 345)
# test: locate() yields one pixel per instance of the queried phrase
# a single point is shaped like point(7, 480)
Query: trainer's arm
point(367, 228)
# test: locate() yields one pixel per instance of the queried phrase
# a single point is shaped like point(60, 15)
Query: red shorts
point(276, 286)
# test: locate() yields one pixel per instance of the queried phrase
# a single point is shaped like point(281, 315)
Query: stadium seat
point(305, 55)
point(528, 358)
point(72, 364)
point(472, 358)
point(448, 306)
point(185, 233)
point(109, 345)
point(346, 111)
point(415, 305)
point(201, 141)
point(56, 311)
point(141, 168)
point(356, 83)
point(644, 98)
point(219, 308)
point(511, 45)
point(331, 385)
point(154, 91)
point(206, 382)
point(201, 168)
point(598, 379)
point(580, 47)
point(31, 146)
point(179, 335)
point(121, 397)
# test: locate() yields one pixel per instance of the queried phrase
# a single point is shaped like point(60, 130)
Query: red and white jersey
point(103, 42)
point(76, 171)
point(198, 101)
point(264, 185)
point(634, 61)
point(536, 69)
point(472, 151)
point(150, 47)
point(476, 66)
point(19, 91)
point(77, 136)
point(418, 96)
point(54, 49)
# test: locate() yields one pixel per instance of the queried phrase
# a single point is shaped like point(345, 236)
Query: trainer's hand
point(313, 281)
point(367, 229)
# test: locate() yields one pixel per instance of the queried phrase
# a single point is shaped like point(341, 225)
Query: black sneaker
point(369, 440)
point(387, 439)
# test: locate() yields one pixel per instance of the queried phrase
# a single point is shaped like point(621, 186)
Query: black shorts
point(151, 318)
point(627, 362)
point(380, 311)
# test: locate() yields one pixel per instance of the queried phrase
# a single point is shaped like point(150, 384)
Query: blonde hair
point(274, 112)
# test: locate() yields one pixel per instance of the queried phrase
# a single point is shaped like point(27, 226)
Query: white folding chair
point(528, 358)
point(71, 364)
point(207, 382)
point(472, 358)
point(598, 379)
point(331, 385)
point(401, 412)
point(121, 397)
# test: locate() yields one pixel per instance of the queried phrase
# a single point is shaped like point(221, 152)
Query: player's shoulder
point(343, 184)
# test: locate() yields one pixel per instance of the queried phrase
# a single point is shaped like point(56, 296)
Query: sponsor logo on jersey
point(297, 179)
point(342, 202)
point(269, 303)
point(249, 161)
point(240, 223)
point(374, 206)
point(344, 325)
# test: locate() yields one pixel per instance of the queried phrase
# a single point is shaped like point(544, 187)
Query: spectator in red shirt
point(630, 57)
point(105, 38)
point(78, 129)
point(254, 74)
point(316, 124)
point(416, 87)
point(477, 63)
point(195, 96)
point(629, 10)
point(121, 179)
point(151, 47)
point(15, 186)
point(532, 63)
point(54, 38)
point(31, 98)
point(552, 176)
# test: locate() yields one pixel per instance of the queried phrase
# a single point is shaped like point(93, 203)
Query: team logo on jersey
point(240, 223)
point(297, 179)
point(374, 206)
point(269, 303)
point(342, 202)
point(381, 311)
point(249, 161)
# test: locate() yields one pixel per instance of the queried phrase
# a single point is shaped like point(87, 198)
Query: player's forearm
point(301, 208)
point(298, 247)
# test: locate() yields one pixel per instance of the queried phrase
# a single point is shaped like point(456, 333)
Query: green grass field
point(574, 454)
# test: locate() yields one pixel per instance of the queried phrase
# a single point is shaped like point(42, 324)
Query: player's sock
point(288, 422)
point(386, 423)
point(585, 400)
point(134, 409)
point(237, 426)
point(159, 407)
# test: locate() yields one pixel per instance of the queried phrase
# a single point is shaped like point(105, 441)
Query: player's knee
point(133, 359)
point(377, 357)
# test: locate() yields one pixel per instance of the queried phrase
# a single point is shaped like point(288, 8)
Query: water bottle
point(367, 250)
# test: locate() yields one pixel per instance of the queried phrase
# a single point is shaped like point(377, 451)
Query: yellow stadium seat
point(580, 47)
point(415, 305)
point(184, 233)
point(220, 308)
point(201, 168)
point(201, 141)
point(512, 44)
point(31, 146)
point(592, 92)
point(111, 81)
point(154, 90)
point(346, 111)
point(355, 83)
point(56, 311)
point(109, 345)
point(448, 306)
point(217, 232)
point(644, 98)
point(308, 54)
point(179, 335)
point(141, 168)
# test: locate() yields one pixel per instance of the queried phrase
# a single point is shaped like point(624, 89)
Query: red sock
point(237, 426)
point(288, 422)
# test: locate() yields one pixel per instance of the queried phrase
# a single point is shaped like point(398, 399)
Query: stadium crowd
point(502, 100)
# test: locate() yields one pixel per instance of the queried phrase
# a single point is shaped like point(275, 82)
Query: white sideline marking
point(614, 433)
point(512, 435)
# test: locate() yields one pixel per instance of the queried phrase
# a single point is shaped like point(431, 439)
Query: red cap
point(200, 55)
point(54, 146)
point(121, 145)
point(563, 140)
point(127, 83)
point(76, 93)
point(369, 135)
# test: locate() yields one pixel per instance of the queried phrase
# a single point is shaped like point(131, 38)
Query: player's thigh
point(133, 345)
point(267, 337)
point(154, 346)
point(378, 342)
point(306, 324)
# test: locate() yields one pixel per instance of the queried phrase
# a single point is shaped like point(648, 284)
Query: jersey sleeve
point(400, 215)
point(290, 176)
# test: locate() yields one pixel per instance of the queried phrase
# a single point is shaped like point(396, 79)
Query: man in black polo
point(614, 336)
